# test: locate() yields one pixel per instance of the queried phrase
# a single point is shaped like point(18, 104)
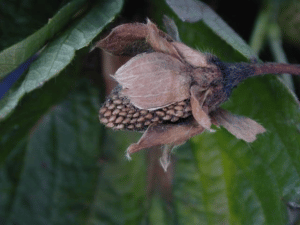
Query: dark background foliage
point(59, 165)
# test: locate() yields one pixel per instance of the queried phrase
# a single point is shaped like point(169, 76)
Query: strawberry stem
point(275, 68)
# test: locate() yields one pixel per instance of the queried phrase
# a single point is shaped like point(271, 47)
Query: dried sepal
point(159, 43)
point(200, 113)
point(162, 134)
point(241, 127)
point(165, 159)
point(153, 80)
point(126, 39)
point(135, 38)
point(191, 56)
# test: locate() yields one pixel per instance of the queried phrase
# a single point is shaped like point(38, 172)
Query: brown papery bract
point(154, 80)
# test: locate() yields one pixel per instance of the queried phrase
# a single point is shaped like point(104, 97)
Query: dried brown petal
point(126, 39)
point(135, 38)
point(158, 43)
point(241, 127)
point(200, 115)
point(162, 134)
point(191, 56)
point(154, 80)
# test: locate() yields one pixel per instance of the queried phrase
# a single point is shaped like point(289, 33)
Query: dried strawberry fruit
point(172, 92)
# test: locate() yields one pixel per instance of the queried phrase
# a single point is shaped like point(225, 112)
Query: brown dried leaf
point(191, 56)
point(127, 39)
point(162, 134)
point(154, 80)
point(242, 127)
point(200, 114)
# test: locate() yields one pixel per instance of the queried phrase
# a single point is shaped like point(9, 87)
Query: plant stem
point(275, 68)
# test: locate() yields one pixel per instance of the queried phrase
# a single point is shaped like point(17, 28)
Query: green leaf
point(21, 18)
point(157, 214)
point(199, 186)
point(13, 56)
point(121, 194)
point(60, 52)
point(33, 106)
point(69, 171)
point(199, 36)
point(56, 178)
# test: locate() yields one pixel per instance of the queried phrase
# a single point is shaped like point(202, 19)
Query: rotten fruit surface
point(172, 92)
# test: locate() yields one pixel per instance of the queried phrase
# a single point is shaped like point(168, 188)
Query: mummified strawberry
point(173, 92)
point(119, 113)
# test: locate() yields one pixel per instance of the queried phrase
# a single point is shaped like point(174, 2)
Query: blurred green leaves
point(59, 172)
point(195, 11)
point(59, 52)
point(58, 165)
point(13, 56)
point(21, 18)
